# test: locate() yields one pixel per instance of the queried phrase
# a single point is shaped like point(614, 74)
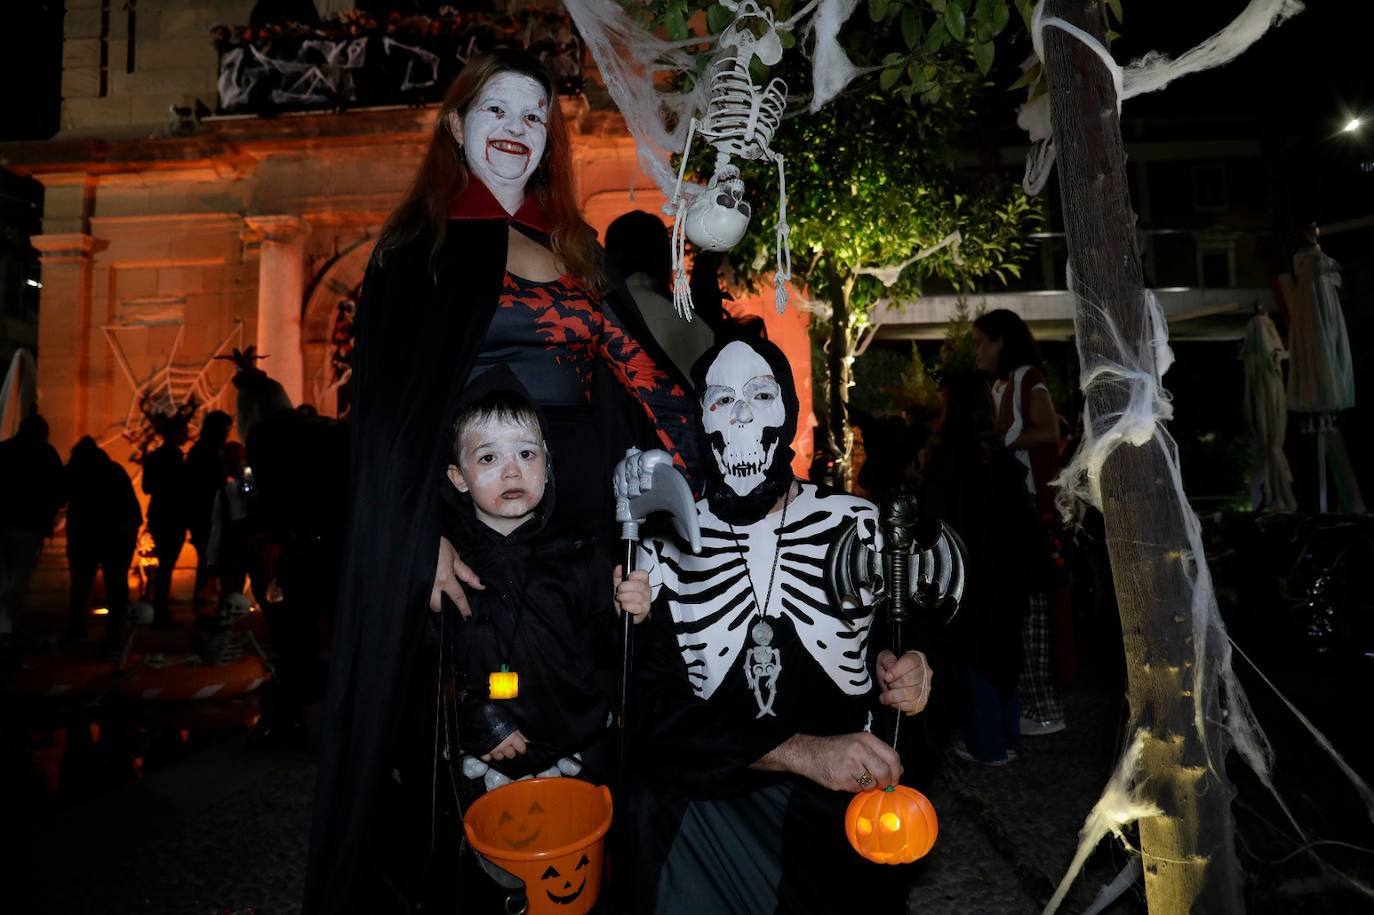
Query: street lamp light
point(1352, 125)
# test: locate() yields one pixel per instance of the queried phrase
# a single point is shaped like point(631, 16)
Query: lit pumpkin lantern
point(503, 683)
point(893, 825)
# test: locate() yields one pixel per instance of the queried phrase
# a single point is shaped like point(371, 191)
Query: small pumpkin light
point(893, 825)
point(503, 683)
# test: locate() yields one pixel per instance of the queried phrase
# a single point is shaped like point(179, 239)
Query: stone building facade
point(169, 239)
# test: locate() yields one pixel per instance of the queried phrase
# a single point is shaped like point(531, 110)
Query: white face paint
point(505, 132)
point(503, 467)
point(742, 399)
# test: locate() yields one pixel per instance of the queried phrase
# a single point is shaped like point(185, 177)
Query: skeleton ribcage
point(712, 603)
point(740, 119)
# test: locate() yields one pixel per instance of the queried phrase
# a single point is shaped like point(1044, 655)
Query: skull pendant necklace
point(763, 662)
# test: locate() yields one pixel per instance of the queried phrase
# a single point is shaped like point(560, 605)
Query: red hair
point(443, 173)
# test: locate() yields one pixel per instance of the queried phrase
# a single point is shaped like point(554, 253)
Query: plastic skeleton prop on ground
point(739, 121)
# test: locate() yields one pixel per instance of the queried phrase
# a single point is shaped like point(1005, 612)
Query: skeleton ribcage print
point(713, 604)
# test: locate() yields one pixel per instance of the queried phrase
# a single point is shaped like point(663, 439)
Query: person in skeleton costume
point(753, 694)
point(486, 261)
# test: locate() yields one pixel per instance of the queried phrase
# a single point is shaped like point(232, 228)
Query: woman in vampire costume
point(485, 261)
point(754, 694)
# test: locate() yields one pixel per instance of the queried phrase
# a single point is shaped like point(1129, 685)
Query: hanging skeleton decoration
point(740, 121)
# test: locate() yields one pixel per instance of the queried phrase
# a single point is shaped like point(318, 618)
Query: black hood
point(725, 503)
point(499, 378)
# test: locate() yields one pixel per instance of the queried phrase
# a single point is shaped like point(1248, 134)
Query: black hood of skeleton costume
point(725, 503)
point(500, 378)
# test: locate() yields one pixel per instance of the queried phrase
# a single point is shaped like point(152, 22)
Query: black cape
point(419, 327)
point(546, 613)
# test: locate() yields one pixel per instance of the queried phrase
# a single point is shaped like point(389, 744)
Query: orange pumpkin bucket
point(548, 832)
point(894, 825)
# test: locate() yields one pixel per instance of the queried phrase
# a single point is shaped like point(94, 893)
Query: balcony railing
point(358, 60)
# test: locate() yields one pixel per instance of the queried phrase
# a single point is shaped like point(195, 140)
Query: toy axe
point(920, 568)
point(646, 482)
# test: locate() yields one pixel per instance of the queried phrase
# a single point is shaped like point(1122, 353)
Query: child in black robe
point(545, 613)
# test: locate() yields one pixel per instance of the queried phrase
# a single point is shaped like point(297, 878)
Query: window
point(1209, 188)
point(1216, 266)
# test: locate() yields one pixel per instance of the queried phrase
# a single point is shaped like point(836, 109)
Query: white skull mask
point(741, 403)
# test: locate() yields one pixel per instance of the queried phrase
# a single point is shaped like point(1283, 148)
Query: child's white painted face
point(503, 467)
point(505, 130)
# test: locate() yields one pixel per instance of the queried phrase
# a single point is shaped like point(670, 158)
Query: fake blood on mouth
point(522, 151)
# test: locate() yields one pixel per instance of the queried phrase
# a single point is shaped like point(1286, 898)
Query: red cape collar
point(477, 202)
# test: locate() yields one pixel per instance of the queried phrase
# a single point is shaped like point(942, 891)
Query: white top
point(1018, 422)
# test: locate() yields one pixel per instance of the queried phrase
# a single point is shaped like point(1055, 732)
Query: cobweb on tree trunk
point(1131, 362)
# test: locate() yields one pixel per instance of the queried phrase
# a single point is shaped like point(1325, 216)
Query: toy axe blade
point(667, 492)
point(854, 575)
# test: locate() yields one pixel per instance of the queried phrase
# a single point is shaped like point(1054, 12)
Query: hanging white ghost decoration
point(741, 403)
point(739, 121)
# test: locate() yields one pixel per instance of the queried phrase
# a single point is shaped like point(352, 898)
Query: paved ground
point(224, 830)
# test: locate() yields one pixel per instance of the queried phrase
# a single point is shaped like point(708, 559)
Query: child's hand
point(632, 594)
point(511, 747)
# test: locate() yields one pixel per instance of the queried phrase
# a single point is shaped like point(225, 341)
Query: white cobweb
point(1135, 370)
point(1150, 73)
point(638, 68)
point(644, 75)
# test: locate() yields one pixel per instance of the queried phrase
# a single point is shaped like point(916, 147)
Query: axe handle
point(626, 654)
point(897, 650)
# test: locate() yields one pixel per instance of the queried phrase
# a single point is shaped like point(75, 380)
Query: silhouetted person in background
point(708, 300)
point(299, 465)
point(971, 481)
point(204, 480)
point(1004, 350)
point(103, 519)
point(637, 247)
point(31, 492)
point(237, 550)
point(891, 444)
point(164, 480)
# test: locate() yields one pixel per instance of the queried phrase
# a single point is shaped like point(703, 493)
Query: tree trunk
point(1190, 862)
point(838, 363)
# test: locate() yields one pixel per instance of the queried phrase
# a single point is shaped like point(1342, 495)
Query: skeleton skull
point(743, 414)
point(718, 217)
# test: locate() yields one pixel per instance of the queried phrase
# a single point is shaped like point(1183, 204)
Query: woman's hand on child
point(632, 594)
point(449, 577)
point(511, 747)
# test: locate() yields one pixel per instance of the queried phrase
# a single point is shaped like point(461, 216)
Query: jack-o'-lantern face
point(520, 832)
point(566, 895)
point(894, 825)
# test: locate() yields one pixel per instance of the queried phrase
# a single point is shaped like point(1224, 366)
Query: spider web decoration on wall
point(173, 385)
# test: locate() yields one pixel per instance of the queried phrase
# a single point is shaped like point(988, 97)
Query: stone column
point(64, 335)
point(281, 296)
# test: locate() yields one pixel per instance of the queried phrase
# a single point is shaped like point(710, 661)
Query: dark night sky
point(30, 69)
point(1296, 87)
